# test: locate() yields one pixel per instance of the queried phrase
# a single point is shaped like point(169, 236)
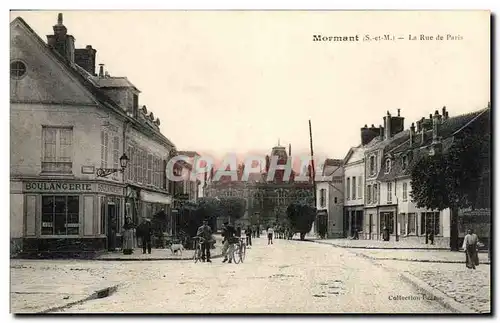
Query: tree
point(301, 217)
point(233, 207)
point(452, 179)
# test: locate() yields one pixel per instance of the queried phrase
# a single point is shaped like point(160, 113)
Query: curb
point(101, 293)
point(376, 248)
point(436, 295)
point(153, 259)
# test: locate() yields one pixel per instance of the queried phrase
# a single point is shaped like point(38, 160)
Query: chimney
point(101, 70)
point(412, 134)
point(60, 41)
point(381, 132)
point(85, 58)
point(289, 149)
point(399, 111)
point(387, 126)
point(436, 121)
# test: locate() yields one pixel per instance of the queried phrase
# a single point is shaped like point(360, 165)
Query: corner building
point(66, 122)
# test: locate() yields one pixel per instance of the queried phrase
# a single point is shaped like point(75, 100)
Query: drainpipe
point(397, 204)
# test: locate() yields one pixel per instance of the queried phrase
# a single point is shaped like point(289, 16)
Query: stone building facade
point(67, 121)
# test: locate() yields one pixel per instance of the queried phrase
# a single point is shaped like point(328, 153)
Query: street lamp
point(103, 172)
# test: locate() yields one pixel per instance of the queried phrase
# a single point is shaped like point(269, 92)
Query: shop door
point(112, 224)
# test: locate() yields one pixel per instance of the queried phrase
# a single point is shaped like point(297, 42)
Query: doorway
point(112, 226)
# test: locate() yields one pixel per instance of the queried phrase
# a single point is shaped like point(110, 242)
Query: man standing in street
point(228, 233)
point(145, 231)
point(249, 233)
point(205, 233)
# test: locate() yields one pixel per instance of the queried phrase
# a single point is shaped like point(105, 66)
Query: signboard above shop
point(72, 187)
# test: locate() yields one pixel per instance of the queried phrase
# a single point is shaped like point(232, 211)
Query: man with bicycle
point(228, 235)
point(205, 236)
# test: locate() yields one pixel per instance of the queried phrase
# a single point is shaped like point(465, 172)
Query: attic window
point(387, 165)
point(404, 162)
point(17, 69)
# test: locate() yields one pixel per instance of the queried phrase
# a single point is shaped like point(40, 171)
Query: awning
point(154, 197)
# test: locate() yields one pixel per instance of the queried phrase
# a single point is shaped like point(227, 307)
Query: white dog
point(176, 247)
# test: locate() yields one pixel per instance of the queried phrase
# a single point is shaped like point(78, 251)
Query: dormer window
point(372, 165)
point(404, 162)
point(387, 165)
point(135, 107)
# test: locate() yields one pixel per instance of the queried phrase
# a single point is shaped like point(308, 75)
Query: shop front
point(353, 222)
point(387, 219)
point(70, 216)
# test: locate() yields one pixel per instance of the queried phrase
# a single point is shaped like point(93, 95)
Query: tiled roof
point(333, 162)
point(104, 82)
point(83, 77)
point(188, 153)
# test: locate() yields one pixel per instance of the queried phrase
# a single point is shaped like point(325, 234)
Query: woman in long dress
point(128, 236)
point(470, 246)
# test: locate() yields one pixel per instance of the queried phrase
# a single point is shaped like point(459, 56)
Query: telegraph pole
point(313, 170)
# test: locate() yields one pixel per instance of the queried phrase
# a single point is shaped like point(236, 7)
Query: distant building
point(66, 123)
point(330, 199)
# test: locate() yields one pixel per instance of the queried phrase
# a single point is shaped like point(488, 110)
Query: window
point(375, 193)
point(369, 194)
point(135, 106)
point(17, 69)
point(387, 220)
point(348, 188)
point(139, 166)
point(144, 167)
point(150, 169)
point(430, 221)
point(163, 174)
point(372, 165)
point(60, 215)
point(404, 162)
point(405, 192)
point(411, 223)
point(354, 187)
point(57, 150)
point(104, 148)
point(387, 166)
point(116, 151)
point(322, 197)
point(335, 200)
point(360, 187)
point(389, 192)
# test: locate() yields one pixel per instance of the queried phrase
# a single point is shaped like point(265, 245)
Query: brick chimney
point(387, 126)
point(60, 41)
point(436, 122)
point(85, 58)
point(445, 113)
point(101, 70)
point(412, 134)
point(397, 124)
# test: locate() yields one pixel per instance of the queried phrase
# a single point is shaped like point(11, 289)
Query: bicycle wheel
point(196, 256)
point(236, 257)
point(242, 252)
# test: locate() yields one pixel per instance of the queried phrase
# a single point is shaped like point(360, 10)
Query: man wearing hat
point(228, 233)
point(205, 234)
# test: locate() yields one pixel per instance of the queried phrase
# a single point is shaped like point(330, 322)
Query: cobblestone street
point(289, 276)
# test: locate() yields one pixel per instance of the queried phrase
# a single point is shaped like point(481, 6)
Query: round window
point(17, 69)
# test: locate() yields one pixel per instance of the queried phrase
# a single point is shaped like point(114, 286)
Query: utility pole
point(313, 170)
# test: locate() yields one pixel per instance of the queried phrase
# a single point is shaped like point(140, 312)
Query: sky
point(239, 81)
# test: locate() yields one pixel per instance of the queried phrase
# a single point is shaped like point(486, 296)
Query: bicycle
point(198, 253)
point(240, 251)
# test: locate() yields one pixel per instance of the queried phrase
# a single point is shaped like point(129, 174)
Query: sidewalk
point(378, 244)
point(38, 286)
point(159, 254)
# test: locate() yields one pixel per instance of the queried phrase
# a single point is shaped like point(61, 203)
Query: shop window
point(57, 150)
point(430, 221)
point(387, 220)
point(60, 215)
point(402, 223)
point(102, 202)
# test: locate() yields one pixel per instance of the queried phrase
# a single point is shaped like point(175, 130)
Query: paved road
point(287, 277)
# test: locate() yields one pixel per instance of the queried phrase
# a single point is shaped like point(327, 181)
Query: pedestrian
point(254, 231)
point(385, 234)
point(470, 247)
point(128, 236)
point(228, 235)
point(145, 232)
point(258, 231)
point(270, 232)
point(249, 233)
point(205, 233)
